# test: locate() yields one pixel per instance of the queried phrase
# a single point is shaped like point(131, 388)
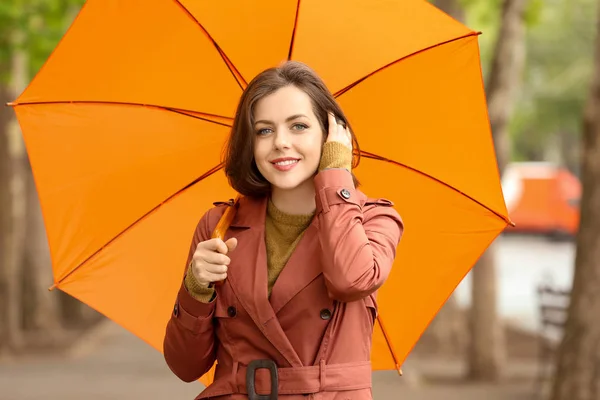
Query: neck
point(300, 200)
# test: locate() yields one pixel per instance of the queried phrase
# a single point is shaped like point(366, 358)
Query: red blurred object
point(542, 198)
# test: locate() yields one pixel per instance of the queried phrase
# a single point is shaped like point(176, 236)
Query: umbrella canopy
point(125, 125)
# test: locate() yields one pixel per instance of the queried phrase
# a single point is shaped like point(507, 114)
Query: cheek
point(262, 153)
point(259, 151)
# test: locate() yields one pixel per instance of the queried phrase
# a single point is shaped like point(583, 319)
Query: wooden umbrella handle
point(389, 343)
point(224, 223)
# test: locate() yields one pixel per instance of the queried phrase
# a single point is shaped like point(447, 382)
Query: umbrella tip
point(399, 368)
point(10, 104)
point(51, 288)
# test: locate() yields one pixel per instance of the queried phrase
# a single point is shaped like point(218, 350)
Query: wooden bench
point(553, 304)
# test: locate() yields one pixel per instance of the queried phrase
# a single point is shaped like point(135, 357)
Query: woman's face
point(289, 138)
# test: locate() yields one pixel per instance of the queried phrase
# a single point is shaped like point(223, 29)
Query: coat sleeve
point(358, 244)
point(189, 345)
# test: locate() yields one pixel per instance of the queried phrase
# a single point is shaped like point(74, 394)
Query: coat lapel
point(248, 274)
point(301, 269)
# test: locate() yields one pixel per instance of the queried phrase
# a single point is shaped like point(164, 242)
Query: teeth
point(288, 162)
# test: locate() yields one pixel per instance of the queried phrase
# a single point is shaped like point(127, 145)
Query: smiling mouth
point(286, 162)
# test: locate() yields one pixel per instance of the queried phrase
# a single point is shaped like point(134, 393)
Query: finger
point(212, 257)
point(215, 245)
point(332, 123)
point(344, 135)
point(231, 244)
point(342, 130)
point(215, 268)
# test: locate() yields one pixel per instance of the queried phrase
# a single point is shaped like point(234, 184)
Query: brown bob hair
point(240, 166)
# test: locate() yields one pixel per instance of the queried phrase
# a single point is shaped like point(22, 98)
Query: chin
point(287, 185)
point(289, 181)
point(291, 184)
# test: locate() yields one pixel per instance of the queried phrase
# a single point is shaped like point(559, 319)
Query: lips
point(285, 164)
point(285, 161)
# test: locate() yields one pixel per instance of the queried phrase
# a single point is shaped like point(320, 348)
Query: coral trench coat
point(317, 324)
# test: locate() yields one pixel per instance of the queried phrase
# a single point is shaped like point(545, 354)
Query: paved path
point(115, 365)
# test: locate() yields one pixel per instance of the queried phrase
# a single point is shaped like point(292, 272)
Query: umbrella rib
point(203, 176)
point(372, 156)
point(186, 113)
point(215, 169)
point(293, 39)
point(242, 83)
point(189, 113)
point(350, 86)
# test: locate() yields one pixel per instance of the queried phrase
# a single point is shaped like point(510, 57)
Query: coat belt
point(312, 379)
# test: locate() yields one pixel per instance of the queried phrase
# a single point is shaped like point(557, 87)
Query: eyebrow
point(288, 119)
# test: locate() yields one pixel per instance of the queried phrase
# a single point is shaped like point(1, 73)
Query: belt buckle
point(251, 379)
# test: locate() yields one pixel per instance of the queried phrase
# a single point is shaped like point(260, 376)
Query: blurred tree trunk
point(19, 67)
point(577, 375)
point(448, 328)
point(487, 347)
point(14, 236)
point(5, 220)
point(40, 307)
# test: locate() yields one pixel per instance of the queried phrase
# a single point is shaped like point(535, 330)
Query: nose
point(282, 139)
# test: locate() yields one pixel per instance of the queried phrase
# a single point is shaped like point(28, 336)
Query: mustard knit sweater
point(282, 231)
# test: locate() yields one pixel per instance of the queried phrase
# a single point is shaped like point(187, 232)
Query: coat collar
point(249, 277)
point(302, 267)
point(248, 274)
point(250, 213)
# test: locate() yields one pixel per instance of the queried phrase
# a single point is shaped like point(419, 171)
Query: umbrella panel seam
point(379, 158)
point(357, 82)
point(291, 50)
point(181, 111)
point(239, 78)
point(81, 264)
point(220, 166)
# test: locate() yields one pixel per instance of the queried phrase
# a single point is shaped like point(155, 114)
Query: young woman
point(301, 261)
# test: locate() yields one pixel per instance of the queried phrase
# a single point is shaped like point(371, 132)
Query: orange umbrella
point(125, 123)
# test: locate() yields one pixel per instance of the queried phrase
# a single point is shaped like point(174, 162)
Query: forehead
point(284, 102)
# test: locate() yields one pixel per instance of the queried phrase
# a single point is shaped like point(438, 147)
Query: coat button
point(325, 314)
point(176, 309)
point(345, 193)
point(231, 311)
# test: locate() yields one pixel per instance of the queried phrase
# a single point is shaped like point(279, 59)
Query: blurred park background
point(500, 336)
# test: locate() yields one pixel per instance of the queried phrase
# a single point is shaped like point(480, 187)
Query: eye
point(264, 131)
point(299, 127)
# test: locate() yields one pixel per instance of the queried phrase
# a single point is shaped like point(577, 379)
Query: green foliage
point(534, 12)
point(36, 26)
point(557, 76)
point(485, 16)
